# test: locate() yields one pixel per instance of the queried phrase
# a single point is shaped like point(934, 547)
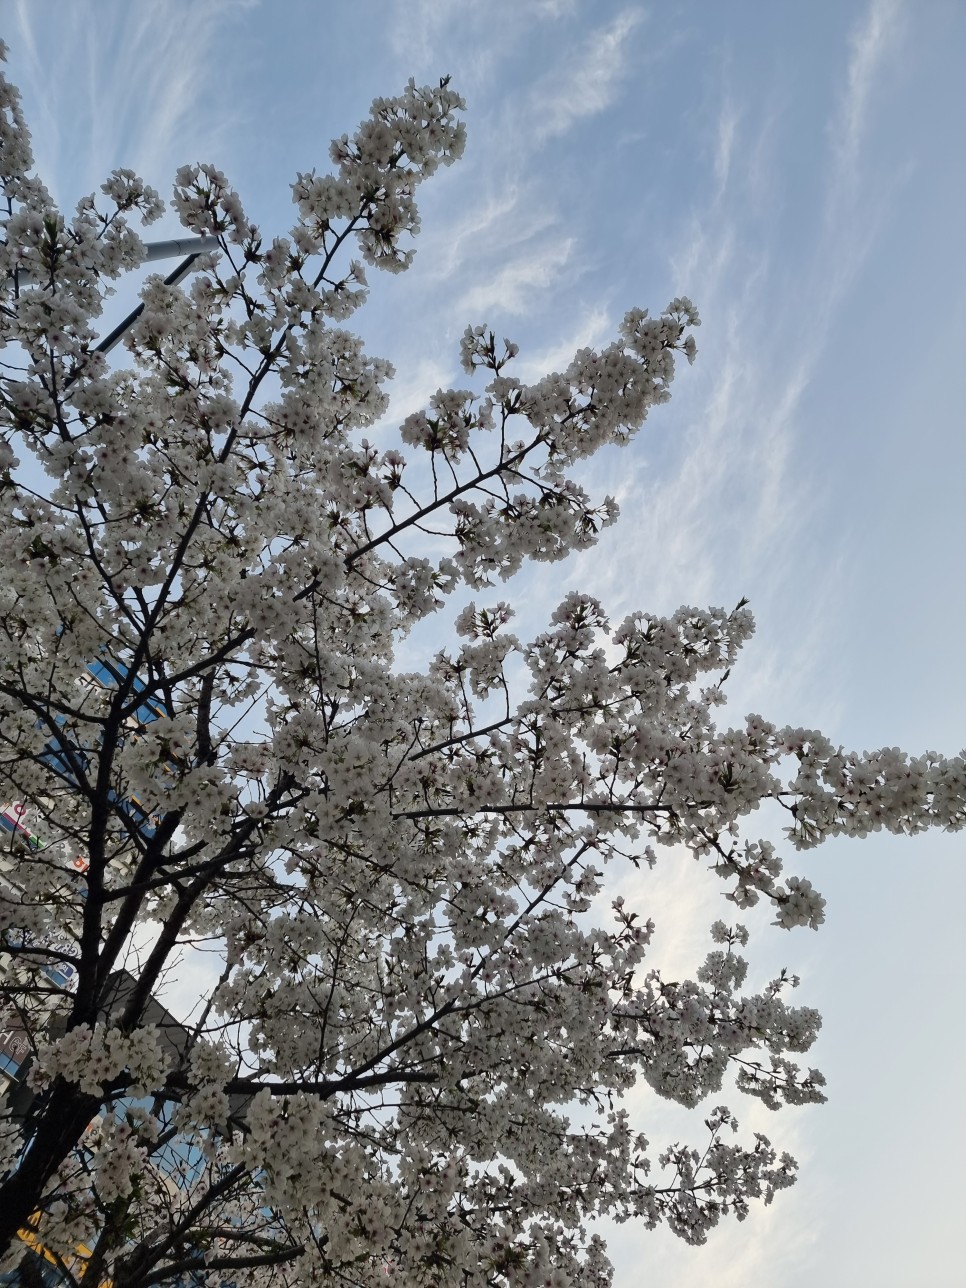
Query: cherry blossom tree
point(410, 1057)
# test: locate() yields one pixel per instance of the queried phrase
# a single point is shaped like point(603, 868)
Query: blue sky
point(797, 170)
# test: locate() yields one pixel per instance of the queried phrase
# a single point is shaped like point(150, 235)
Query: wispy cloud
point(511, 289)
point(487, 227)
point(138, 77)
point(853, 208)
point(24, 30)
point(479, 39)
point(725, 145)
point(724, 514)
point(557, 8)
point(593, 328)
point(874, 38)
point(588, 82)
point(411, 390)
point(417, 29)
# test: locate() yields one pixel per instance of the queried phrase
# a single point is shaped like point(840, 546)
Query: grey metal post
point(161, 250)
point(192, 247)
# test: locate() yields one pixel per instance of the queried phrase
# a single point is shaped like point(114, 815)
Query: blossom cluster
point(93, 1058)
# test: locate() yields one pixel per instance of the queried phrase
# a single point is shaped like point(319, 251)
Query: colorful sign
point(13, 819)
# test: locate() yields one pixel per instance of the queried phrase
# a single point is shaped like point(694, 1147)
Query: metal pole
point(109, 341)
point(180, 246)
point(193, 246)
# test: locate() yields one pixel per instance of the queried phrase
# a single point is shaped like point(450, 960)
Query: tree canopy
point(410, 1055)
